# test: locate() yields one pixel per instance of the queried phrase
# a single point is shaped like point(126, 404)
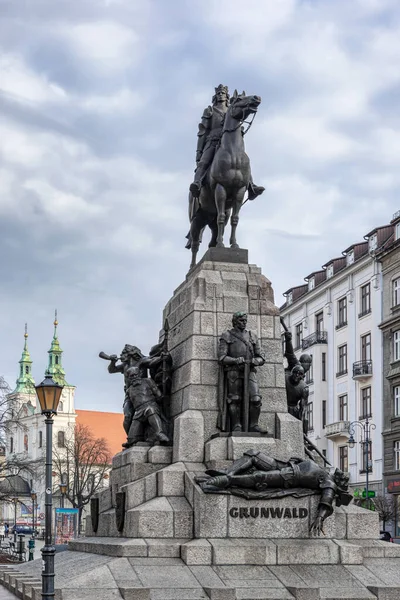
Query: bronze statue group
point(222, 177)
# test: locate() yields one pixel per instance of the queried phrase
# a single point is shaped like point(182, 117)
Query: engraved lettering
point(234, 512)
point(295, 515)
point(243, 512)
point(303, 513)
point(287, 514)
point(254, 511)
point(276, 512)
point(265, 512)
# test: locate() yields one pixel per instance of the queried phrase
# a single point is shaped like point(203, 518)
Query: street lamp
point(63, 490)
point(366, 427)
point(48, 393)
point(14, 473)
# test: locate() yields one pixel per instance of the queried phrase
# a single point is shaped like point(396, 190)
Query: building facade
point(389, 256)
point(335, 316)
point(26, 441)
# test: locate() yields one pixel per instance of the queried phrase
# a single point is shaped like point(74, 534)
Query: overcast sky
point(100, 101)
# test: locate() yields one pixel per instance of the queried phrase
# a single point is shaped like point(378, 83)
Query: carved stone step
point(160, 518)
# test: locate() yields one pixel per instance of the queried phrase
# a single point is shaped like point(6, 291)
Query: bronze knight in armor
point(239, 355)
point(267, 476)
point(296, 389)
point(208, 139)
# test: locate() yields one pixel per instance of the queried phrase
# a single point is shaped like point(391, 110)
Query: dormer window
point(373, 242)
point(397, 231)
point(329, 272)
point(311, 284)
point(350, 258)
point(290, 298)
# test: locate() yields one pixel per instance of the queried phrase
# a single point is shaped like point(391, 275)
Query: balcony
point(341, 324)
point(319, 337)
point(340, 429)
point(362, 370)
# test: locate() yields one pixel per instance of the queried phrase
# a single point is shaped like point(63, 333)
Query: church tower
point(55, 368)
point(25, 381)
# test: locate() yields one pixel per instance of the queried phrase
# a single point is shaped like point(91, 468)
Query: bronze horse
point(226, 181)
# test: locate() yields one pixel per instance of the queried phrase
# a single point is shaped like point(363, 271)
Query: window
point(290, 298)
point(323, 370)
point(61, 439)
point(396, 292)
point(310, 416)
point(366, 347)
point(311, 284)
point(40, 439)
point(342, 312)
point(366, 458)
point(27, 370)
point(60, 407)
point(299, 335)
point(323, 414)
point(309, 375)
point(350, 258)
point(366, 403)
point(329, 272)
point(56, 359)
point(343, 407)
point(397, 455)
point(342, 360)
point(365, 300)
point(343, 458)
point(11, 444)
point(319, 322)
point(50, 360)
point(396, 401)
point(397, 231)
point(396, 345)
point(26, 442)
point(21, 370)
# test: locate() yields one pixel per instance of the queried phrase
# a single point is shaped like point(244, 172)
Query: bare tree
point(16, 465)
point(385, 506)
point(83, 463)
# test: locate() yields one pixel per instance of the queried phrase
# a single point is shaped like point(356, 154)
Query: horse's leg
point(236, 206)
point(220, 202)
point(214, 234)
point(196, 232)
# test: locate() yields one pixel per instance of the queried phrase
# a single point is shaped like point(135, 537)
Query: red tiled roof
point(104, 425)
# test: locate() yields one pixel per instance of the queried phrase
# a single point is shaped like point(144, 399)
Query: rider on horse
point(209, 136)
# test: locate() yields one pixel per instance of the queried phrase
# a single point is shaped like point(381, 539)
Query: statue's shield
point(120, 510)
point(94, 513)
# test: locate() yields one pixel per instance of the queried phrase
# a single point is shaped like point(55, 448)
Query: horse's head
point(241, 106)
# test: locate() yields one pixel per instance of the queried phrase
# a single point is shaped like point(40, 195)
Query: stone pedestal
point(199, 311)
point(175, 538)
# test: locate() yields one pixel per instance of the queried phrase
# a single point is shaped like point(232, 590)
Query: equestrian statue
point(223, 173)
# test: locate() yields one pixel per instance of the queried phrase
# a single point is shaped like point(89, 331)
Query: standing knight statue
point(239, 355)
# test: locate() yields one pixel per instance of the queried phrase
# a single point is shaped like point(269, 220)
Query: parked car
point(25, 529)
point(385, 536)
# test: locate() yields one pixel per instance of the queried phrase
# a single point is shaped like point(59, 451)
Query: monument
point(213, 495)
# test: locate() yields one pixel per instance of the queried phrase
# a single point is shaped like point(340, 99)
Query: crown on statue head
point(222, 88)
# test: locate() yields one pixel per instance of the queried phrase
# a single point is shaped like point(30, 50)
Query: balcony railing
point(364, 312)
point(341, 324)
point(318, 337)
point(362, 368)
point(338, 429)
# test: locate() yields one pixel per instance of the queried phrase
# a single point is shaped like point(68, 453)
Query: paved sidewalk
point(5, 594)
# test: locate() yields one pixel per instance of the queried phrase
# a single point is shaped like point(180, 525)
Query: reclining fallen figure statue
point(266, 477)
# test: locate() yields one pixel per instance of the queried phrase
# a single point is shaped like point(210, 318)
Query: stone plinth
point(199, 312)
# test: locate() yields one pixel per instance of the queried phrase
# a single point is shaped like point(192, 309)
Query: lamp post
point(14, 473)
point(48, 393)
point(366, 427)
point(34, 501)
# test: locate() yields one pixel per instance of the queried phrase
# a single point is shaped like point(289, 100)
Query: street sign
point(371, 494)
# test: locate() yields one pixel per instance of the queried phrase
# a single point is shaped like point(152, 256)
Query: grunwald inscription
point(255, 512)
